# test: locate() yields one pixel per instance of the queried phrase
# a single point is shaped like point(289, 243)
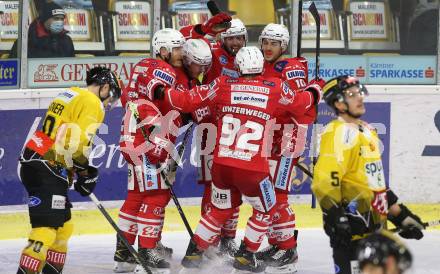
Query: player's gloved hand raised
point(410, 223)
point(86, 182)
point(337, 227)
point(216, 24)
point(315, 87)
point(152, 87)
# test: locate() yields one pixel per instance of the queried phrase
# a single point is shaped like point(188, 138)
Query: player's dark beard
point(229, 51)
point(355, 116)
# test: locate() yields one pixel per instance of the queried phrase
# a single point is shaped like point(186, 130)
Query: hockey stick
point(314, 11)
point(162, 173)
point(213, 8)
point(120, 234)
point(298, 42)
point(305, 170)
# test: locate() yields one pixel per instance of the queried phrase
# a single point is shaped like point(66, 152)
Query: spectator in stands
point(423, 28)
point(47, 37)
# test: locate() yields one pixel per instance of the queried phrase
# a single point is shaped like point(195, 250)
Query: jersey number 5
point(335, 178)
point(230, 128)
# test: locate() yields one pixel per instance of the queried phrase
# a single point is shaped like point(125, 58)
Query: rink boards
point(407, 119)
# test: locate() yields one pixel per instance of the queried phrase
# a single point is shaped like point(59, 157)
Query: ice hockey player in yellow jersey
point(54, 154)
point(349, 180)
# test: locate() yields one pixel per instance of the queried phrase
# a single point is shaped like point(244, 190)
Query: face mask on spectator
point(56, 27)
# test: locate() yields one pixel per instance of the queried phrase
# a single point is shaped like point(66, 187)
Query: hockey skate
point(228, 247)
point(124, 261)
point(193, 257)
point(154, 260)
point(246, 262)
point(282, 261)
point(266, 252)
point(164, 251)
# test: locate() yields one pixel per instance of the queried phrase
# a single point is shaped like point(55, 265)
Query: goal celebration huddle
point(250, 108)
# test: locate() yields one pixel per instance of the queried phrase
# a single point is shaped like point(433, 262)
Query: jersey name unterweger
point(246, 111)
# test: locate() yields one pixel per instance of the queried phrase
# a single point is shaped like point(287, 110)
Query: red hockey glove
point(216, 24)
point(315, 87)
point(152, 87)
point(380, 202)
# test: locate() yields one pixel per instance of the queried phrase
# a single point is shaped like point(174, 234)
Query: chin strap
point(347, 111)
point(100, 97)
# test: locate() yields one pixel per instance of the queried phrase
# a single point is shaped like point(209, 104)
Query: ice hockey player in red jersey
point(246, 110)
point(281, 254)
point(142, 214)
point(232, 40)
point(211, 27)
point(197, 59)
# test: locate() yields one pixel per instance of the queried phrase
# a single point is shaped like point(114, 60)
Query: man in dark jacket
point(47, 37)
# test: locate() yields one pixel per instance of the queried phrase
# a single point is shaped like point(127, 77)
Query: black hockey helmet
point(334, 88)
point(101, 76)
point(376, 248)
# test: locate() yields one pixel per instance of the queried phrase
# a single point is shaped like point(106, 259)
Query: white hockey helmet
point(275, 32)
point(249, 60)
point(167, 38)
point(196, 51)
point(237, 29)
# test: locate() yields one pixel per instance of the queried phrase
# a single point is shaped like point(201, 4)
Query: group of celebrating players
point(253, 107)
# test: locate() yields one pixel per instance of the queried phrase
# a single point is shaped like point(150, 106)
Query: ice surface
point(94, 253)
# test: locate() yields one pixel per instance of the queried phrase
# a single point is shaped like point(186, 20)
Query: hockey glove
point(410, 224)
point(154, 88)
point(315, 87)
point(216, 24)
point(337, 227)
point(170, 171)
point(380, 202)
point(85, 184)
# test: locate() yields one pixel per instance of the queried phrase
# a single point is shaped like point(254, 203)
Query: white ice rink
point(93, 254)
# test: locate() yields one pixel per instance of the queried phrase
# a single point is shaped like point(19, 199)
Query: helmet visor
point(355, 91)
point(114, 94)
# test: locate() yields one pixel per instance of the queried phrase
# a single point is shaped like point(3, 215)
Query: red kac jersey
point(246, 111)
point(154, 115)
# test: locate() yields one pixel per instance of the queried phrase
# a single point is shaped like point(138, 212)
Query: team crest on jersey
point(287, 90)
point(166, 77)
point(296, 73)
point(223, 59)
point(280, 66)
point(269, 83)
point(34, 201)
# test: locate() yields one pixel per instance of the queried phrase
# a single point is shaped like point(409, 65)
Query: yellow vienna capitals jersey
point(71, 122)
point(349, 166)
